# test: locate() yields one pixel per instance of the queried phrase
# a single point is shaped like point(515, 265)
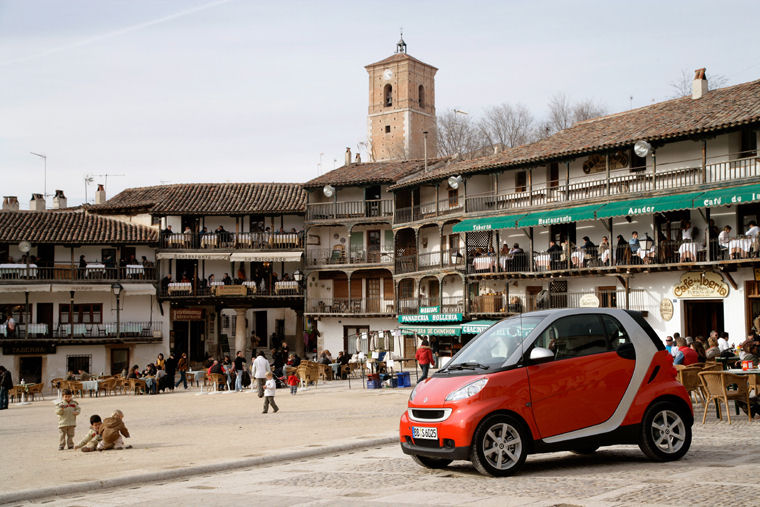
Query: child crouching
point(111, 431)
point(90, 441)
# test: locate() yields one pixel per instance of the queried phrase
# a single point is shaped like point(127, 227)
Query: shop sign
point(697, 284)
point(430, 309)
point(29, 348)
point(433, 331)
point(589, 301)
point(230, 290)
point(666, 309)
point(187, 314)
point(757, 274)
point(431, 317)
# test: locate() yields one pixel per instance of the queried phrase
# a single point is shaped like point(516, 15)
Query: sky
point(153, 92)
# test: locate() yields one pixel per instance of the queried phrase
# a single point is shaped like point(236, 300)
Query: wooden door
point(373, 295)
point(531, 292)
point(45, 315)
point(373, 246)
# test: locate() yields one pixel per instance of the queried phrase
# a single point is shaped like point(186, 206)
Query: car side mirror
point(541, 355)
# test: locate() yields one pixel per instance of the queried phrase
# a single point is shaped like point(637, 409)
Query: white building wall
point(331, 329)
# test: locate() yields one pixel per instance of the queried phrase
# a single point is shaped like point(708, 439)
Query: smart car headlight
point(414, 391)
point(467, 391)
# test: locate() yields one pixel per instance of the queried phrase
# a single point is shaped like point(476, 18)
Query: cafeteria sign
point(430, 317)
point(187, 314)
point(705, 284)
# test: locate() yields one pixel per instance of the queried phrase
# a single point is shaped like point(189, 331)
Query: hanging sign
point(666, 309)
point(589, 301)
point(187, 314)
point(700, 284)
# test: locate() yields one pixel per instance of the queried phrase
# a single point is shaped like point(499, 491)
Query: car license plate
point(424, 433)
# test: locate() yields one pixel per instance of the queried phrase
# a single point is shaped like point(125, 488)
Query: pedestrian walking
point(182, 369)
point(260, 369)
point(239, 370)
point(269, 393)
point(293, 383)
point(6, 384)
point(424, 356)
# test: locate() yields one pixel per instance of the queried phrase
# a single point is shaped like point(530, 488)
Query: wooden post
point(567, 181)
point(704, 160)
point(654, 171)
point(530, 246)
point(708, 256)
point(607, 168)
point(627, 292)
point(438, 199)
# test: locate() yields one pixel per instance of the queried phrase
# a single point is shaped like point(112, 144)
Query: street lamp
point(297, 275)
point(44, 160)
point(116, 289)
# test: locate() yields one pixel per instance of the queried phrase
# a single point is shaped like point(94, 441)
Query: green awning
point(647, 206)
point(476, 326)
point(488, 223)
point(728, 196)
point(558, 216)
point(453, 330)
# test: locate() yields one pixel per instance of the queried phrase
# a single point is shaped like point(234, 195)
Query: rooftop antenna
point(319, 165)
point(88, 179)
point(106, 175)
point(44, 160)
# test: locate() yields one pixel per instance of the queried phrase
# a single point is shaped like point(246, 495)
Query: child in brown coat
point(111, 431)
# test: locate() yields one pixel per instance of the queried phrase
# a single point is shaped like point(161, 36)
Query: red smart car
point(546, 381)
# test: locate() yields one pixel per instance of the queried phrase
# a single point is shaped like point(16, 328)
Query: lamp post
point(44, 176)
point(298, 277)
point(116, 289)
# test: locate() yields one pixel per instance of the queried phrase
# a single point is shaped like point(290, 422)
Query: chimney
point(348, 156)
point(100, 194)
point(10, 203)
point(358, 159)
point(59, 201)
point(496, 149)
point(37, 203)
point(699, 85)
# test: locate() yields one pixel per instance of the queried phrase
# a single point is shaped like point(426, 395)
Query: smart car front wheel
point(499, 447)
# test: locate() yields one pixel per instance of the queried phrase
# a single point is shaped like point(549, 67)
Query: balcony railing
point(668, 252)
point(497, 303)
point(246, 290)
point(351, 306)
point(428, 210)
point(622, 182)
point(349, 209)
point(89, 330)
point(230, 240)
point(72, 272)
point(333, 256)
point(430, 260)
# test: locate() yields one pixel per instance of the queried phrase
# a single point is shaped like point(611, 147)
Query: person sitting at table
point(160, 362)
point(167, 232)
point(165, 281)
point(134, 372)
point(634, 246)
point(748, 352)
point(515, 305)
point(326, 357)
point(713, 351)
point(622, 251)
point(184, 278)
point(697, 347)
point(145, 262)
point(684, 355)
point(688, 232)
point(211, 280)
point(604, 250)
point(724, 238)
point(149, 375)
point(83, 375)
point(70, 376)
point(163, 381)
point(226, 280)
point(555, 254)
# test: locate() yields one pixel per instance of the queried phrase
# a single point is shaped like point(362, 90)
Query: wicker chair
point(36, 389)
point(716, 386)
point(307, 372)
point(712, 367)
point(217, 379)
point(689, 378)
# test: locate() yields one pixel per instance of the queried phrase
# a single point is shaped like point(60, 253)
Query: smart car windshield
point(497, 346)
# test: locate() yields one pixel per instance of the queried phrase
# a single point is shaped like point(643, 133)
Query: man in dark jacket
point(170, 366)
point(6, 383)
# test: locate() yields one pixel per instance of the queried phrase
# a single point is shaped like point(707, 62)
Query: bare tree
point(560, 112)
point(506, 125)
point(682, 86)
point(456, 134)
point(587, 109)
point(563, 114)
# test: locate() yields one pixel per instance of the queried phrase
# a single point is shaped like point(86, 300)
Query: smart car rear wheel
point(499, 447)
point(431, 462)
point(665, 432)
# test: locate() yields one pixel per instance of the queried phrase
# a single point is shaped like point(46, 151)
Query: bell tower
point(401, 107)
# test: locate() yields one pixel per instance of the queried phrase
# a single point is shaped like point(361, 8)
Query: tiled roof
point(209, 199)
point(369, 173)
point(720, 109)
point(398, 57)
point(71, 227)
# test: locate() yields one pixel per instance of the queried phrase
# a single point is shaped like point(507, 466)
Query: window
point(748, 146)
point(388, 95)
point(387, 129)
point(155, 220)
point(421, 94)
point(453, 198)
point(18, 312)
point(87, 313)
point(74, 363)
point(521, 179)
point(574, 336)
point(616, 334)
point(607, 296)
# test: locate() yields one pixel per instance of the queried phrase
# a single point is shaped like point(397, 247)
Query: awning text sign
point(430, 317)
point(697, 285)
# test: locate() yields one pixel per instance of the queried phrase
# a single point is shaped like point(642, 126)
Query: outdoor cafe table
point(739, 371)
point(483, 263)
point(90, 386)
point(285, 286)
point(17, 270)
point(251, 286)
point(95, 270)
point(183, 287)
point(38, 329)
point(743, 244)
point(688, 251)
point(135, 270)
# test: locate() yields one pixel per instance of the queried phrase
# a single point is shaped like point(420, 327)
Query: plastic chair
point(716, 386)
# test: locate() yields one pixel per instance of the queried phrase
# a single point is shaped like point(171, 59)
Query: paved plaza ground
point(182, 430)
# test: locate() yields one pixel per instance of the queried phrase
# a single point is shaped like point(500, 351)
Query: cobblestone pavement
point(721, 468)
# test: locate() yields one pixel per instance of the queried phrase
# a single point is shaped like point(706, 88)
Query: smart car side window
point(574, 336)
point(615, 332)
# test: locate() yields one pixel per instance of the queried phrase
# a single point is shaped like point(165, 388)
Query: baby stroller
point(279, 380)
